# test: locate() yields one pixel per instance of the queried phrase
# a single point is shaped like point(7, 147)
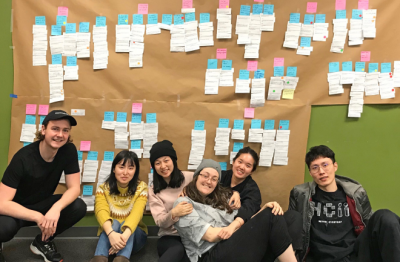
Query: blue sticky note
point(237, 146)
point(13, 96)
point(373, 67)
point(87, 190)
point(238, 124)
point(269, 124)
point(347, 66)
point(55, 30)
point(255, 124)
point(80, 155)
point(136, 118)
point(204, 17)
point(61, 20)
point(109, 116)
point(121, 116)
point(137, 19)
point(100, 21)
point(223, 123)
point(70, 28)
point(123, 19)
point(320, 18)
point(305, 41)
point(279, 70)
point(92, 155)
point(268, 9)
point(333, 67)
point(360, 66)
point(189, 17)
point(257, 9)
point(356, 14)
point(260, 73)
point(226, 64)
point(71, 60)
point(245, 10)
point(294, 18)
point(179, 19)
point(212, 64)
point(84, 27)
point(244, 74)
point(152, 19)
point(56, 59)
point(340, 14)
point(386, 67)
point(224, 166)
point(151, 118)
point(136, 144)
point(166, 19)
point(30, 119)
point(291, 71)
point(41, 119)
point(284, 125)
point(308, 19)
point(27, 143)
point(199, 125)
point(108, 156)
point(40, 20)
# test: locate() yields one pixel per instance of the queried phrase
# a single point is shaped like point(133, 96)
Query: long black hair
point(176, 181)
point(129, 158)
point(248, 150)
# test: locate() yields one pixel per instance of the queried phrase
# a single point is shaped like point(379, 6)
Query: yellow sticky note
point(288, 94)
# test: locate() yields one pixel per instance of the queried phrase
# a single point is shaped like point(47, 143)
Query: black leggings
point(171, 249)
point(262, 238)
point(69, 216)
point(294, 223)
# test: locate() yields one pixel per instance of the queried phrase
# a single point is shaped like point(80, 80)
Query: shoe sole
point(37, 252)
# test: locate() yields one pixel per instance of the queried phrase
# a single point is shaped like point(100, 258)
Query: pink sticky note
point(143, 9)
point(30, 109)
point(340, 5)
point(365, 56)
point(63, 10)
point(252, 65)
point(221, 53)
point(279, 61)
point(223, 3)
point(85, 145)
point(187, 3)
point(260, 1)
point(363, 4)
point(43, 110)
point(137, 108)
point(312, 7)
point(249, 112)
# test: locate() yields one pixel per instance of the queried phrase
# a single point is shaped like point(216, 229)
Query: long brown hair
point(217, 199)
point(40, 136)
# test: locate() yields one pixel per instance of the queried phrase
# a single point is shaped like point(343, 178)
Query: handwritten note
point(363, 4)
point(199, 125)
point(287, 93)
point(340, 5)
point(223, 3)
point(143, 9)
point(238, 124)
point(284, 125)
point(365, 56)
point(137, 108)
point(85, 145)
point(221, 53)
point(30, 109)
point(43, 110)
point(223, 123)
point(249, 112)
point(252, 65)
point(279, 61)
point(62, 10)
point(312, 7)
point(269, 124)
point(187, 3)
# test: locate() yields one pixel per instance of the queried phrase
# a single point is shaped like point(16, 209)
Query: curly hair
point(39, 136)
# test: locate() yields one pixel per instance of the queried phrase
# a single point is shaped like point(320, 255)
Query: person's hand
point(226, 232)
point(181, 209)
point(48, 225)
point(116, 241)
point(234, 202)
point(276, 208)
point(126, 234)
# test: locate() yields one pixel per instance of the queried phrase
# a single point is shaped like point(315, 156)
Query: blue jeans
point(135, 242)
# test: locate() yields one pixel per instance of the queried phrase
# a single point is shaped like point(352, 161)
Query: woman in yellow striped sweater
point(119, 206)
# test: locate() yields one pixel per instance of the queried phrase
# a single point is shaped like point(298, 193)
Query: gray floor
point(73, 250)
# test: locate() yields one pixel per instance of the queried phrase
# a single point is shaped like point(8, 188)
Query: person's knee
point(292, 216)
point(7, 231)
point(116, 225)
point(386, 218)
point(79, 208)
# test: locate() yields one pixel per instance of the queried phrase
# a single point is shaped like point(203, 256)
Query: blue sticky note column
point(373, 67)
point(223, 165)
point(308, 19)
point(87, 190)
point(320, 18)
point(255, 124)
point(305, 41)
point(279, 70)
point(136, 118)
point(386, 67)
point(294, 18)
point(92, 155)
point(356, 14)
point(121, 117)
point(360, 66)
point(152, 19)
point(204, 18)
point(237, 146)
point(71, 60)
point(151, 118)
point(245, 10)
point(340, 14)
point(55, 30)
point(84, 27)
point(269, 124)
point(61, 20)
point(199, 125)
point(268, 9)
point(260, 73)
point(333, 67)
point(190, 17)
point(226, 64)
point(40, 20)
point(166, 19)
point(223, 123)
point(284, 125)
point(347, 66)
point(257, 9)
point(244, 74)
point(30, 119)
point(109, 116)
point(70, 28)
point(108, 156)
point(56, 59)
point(291, 71)
point(238, 124)
point(123, 19)
point(101, 21)
point(212, 64)
point(136, 144)
point(179, 19)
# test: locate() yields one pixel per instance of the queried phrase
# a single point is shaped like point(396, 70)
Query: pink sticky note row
point(143, 9)
point(249, 112)
point(312, 7)
point(221, 53)
point(363, 4)
point(43, 110)
point(30, 109)
point(340, 5)
point(63, 10)
point(223, 3)
point(365, 56)
point(137, 108)
point(187, 3)
point(252, 65)
point(85, 145)
point(279, 61)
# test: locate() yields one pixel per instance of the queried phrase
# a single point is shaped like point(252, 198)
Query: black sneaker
point(2, 259)
point(47, 250)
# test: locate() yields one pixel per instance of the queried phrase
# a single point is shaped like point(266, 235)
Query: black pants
point(262, 238)
point(69, 216)
point(171, 249)
point(294, 223)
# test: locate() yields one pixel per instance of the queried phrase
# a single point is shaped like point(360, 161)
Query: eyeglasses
point(207, 177)
point(324, 166)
